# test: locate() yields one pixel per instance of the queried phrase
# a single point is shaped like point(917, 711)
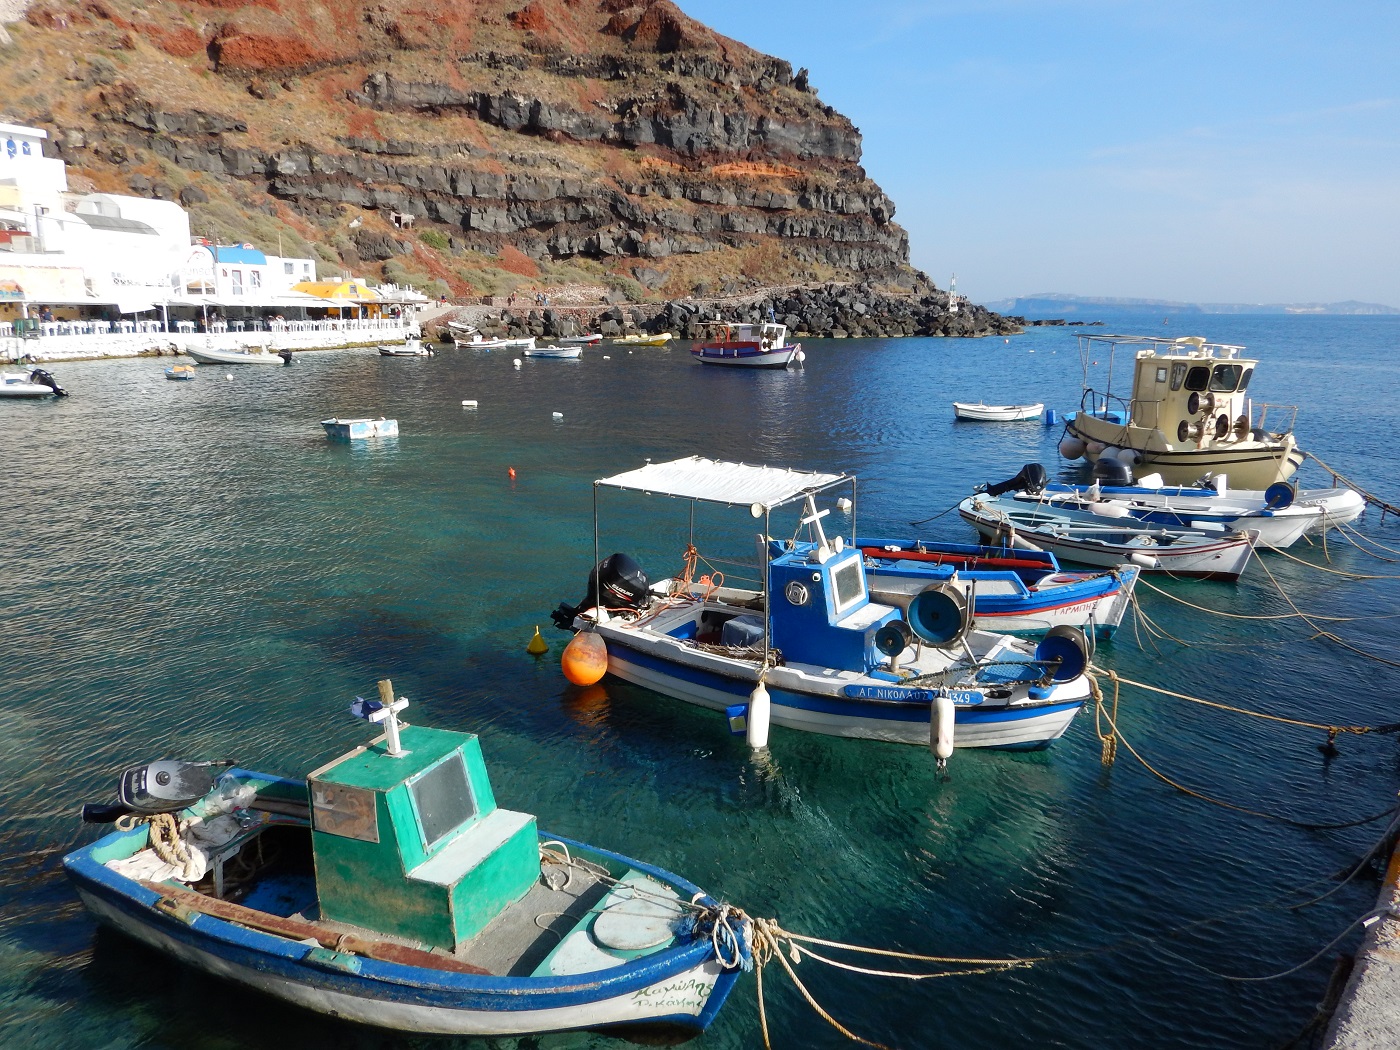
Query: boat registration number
point(960, 697)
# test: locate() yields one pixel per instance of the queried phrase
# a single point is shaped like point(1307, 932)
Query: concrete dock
point(1368, 1014)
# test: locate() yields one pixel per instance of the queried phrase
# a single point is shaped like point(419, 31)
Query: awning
point(714, 481)
point(133, 304)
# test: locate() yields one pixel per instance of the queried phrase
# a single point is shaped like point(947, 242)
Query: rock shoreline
point(829, 311)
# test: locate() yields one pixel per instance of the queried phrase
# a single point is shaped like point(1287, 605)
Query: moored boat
point(811, 648)
point(588, 339)
point(557, 352)
point(1321, 508)
point(1013, 591)
point(31, 385)
point(254, 355)
point(180, 372)
point(1187, 414)
point(996, 413)
point(1089, 539)
point(410, 348)
point(746, 346)
point(358, 429)
point(389, 888)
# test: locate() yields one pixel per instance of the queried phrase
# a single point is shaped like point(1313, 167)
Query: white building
point(107, 252)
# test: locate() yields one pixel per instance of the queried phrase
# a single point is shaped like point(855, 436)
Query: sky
point(1235, 151)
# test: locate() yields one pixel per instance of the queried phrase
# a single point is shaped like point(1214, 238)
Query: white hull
point(996, 413)
point(206, 355)
point(26, 391)
point(564, 353)
point(812, 699)
point(732, 358)
point(410, 1017)
point(1154, 550)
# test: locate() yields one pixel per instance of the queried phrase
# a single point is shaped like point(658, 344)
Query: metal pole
point(767, 621)
point(853, 511)
point(597, 600)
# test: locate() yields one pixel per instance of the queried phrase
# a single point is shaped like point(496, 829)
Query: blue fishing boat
point(359, 429)
point(389, 888)
point(1013, 591)
point(813, 648)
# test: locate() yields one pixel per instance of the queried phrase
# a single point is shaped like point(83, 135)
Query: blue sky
point(1236, 151)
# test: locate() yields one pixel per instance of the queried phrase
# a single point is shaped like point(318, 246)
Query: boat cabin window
point(443, 799)
point(1198, 378)
point(1162, 374)
point(847, 585)
point(1225, 378)
point(1178, 374)
point(1244, 380)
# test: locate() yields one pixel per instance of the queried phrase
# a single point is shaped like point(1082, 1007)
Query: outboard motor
point(44, 378)
point(616, 582)
point(166, 786)
point(1112, 472)
point(1031, 478)
point(286, 356)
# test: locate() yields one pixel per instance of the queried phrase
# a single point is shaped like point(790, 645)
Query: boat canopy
point(715, 481)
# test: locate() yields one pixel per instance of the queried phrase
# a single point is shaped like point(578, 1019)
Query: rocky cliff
point(557, 140)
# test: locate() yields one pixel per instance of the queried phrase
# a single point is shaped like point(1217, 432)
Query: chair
point(186, 327)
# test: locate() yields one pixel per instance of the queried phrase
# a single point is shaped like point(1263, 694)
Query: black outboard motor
point(286, 356)
point(166, 786)
point(622, 583)
point(1031, 478)
point(1112, 472)
point(45, 378)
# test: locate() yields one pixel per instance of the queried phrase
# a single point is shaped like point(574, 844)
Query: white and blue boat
point(746, 346)
point(1282, 514)
point(812, 648)
point(1013, 591)
point(388, 888)
point(360, 429)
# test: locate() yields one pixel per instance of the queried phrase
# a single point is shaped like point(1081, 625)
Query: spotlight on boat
point(1069, 648)
point(938, 615)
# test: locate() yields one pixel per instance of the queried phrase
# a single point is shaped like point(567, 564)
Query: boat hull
point(1223, 559)
point(680, 989)
point(891, 713)
point(560, 353)
point(996, 413)
point(745, 355)
point(209, 356)
point(358, 429)
point(1249, 464)
point(25, 391)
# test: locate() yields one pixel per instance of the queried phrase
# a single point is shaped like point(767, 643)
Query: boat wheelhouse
point(1186, 416)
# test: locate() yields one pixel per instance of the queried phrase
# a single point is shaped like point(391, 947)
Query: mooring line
point(1386, 508)
point(1321, 632)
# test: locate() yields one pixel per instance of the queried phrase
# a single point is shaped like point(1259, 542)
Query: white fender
point(1071, 447)
point(1110, 509)
point(760, 710)
point(940, 735)
point(1147, 561)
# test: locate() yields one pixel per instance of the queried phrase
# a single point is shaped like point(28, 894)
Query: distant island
point(1057, 304)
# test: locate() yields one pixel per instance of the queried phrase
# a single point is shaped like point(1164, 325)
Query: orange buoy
point(511, 472)
point(585, 658)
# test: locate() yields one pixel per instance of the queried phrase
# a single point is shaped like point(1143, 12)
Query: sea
point(194, 570)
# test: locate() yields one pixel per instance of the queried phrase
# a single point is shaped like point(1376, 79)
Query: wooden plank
point(298, 930)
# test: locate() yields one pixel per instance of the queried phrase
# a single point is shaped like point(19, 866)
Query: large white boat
point(1186, 415)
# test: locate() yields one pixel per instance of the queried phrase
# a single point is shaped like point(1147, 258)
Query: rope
point(1320, 632)
point(1374, 500)
point(1354, 534)
point(1265, 616)
point(1116, 678)
point(1305, 825)
point(1108, 743)
point(935, 517)
point(1323, 568)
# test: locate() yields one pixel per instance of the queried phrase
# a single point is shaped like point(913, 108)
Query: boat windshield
point(1225, 378)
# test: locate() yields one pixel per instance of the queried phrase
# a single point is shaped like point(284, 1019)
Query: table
point(237, 326)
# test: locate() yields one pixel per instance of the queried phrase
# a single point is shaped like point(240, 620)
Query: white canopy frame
point(762, 489)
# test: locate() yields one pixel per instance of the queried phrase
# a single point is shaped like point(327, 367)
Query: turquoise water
point(192, 569)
